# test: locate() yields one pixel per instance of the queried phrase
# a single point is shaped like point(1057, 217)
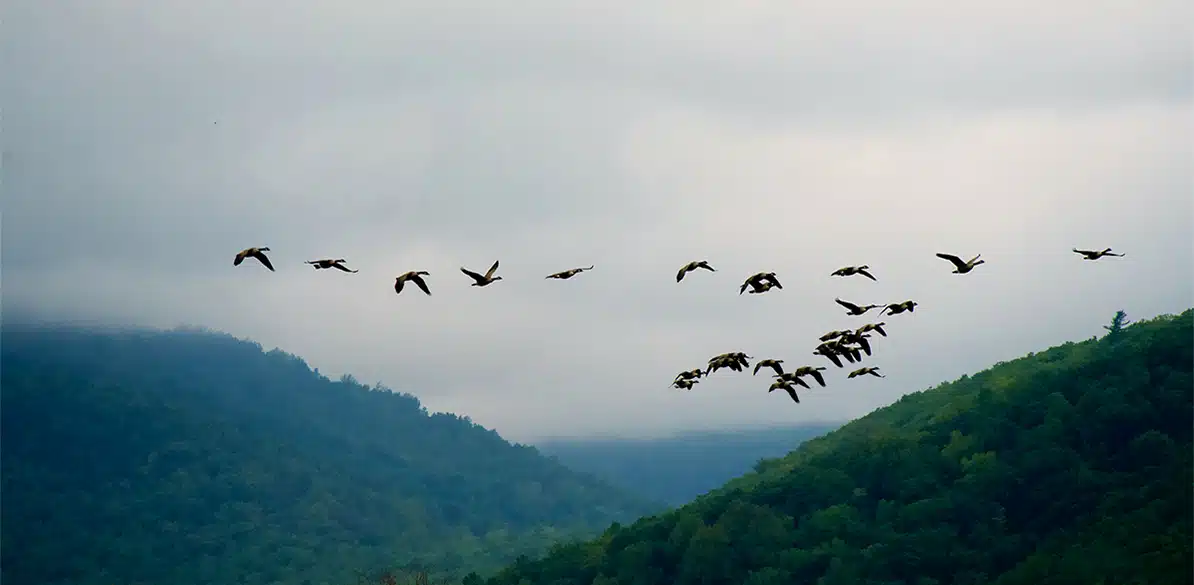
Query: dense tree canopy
point(1071, 466)
point(192, 457)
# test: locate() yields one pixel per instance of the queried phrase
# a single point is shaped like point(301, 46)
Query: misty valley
point(139, 456)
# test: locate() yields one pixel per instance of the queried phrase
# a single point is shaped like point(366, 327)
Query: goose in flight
point(760, 282)
point(758, 289)
point(864, 371)
point(811, 371)
point(834, 334)
point(693, 266)
point(1086, 254)
point(876, 327)
point(415, 277)
point(828, 352)
point(961, 267)
point(735, 360)
point(792, 378)
point(786, 387)
point(485, 280)
point(258, 253)
point(897, 308)
point(852, 270)
point(329, 263)
point(566, 274)
point(852, 309)
point(773, 364)
point(859, 339)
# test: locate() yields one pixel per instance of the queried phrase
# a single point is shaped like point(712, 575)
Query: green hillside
point(142, 457)
point(1071, 466)
point(678, 468)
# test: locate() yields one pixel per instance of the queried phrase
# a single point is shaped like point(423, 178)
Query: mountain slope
point(1069, 466)
point(678, 468)
point(191, 457)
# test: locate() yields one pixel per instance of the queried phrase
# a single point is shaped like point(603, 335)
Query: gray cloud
point(146, 143)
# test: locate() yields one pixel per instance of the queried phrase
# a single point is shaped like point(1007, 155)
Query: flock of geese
point(849, 345)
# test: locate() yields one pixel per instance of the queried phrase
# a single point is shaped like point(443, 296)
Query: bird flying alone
point(1086, 254)
point(897, 308)
point(693, 266)
point(565, 275)
point(759, 289)
point(483, 280)
point(961, 267)
point(329, 263)
point(415, 277)
point(852, 270)
point(773, 364)
point(852, 309)
point(258, 253)
point(864, 371)
point(760, 283)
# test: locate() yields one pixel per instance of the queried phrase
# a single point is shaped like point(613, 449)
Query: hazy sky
point(145, 143)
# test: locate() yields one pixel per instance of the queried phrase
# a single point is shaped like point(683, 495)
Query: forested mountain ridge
point(1070, 466)
point(678, 468)
point(192, 457)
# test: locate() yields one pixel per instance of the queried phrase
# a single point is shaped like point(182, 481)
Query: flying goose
point(689, 374)
point(1087, 254)
point(258, 253)
point(864, 371)
point(811, 371)
point(859, 339)
point(693, 266)
point(329, 263)
point(565, 275)
point(757, 289)
point(786, 387)
point(897, 308)
point(685, 384)
point(852, 270)
point(722, 362)
point(773, 364)
point(852, 309)
point(961, 267)
point(851, 353)
point(876, 327)
point(839, 348)
point(793, 378)
point(829, 353)
point(415, 277)
point(736, 355)
point(733, 360)
point(488, 279)
point(834, 335)
point(757, 281)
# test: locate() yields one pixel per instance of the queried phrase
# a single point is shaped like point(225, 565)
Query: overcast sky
point(145, 143)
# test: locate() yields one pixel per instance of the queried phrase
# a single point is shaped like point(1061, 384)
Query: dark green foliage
point(1118, 322)
point(677, 469)
point(191, 457)
point(1071, 466)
